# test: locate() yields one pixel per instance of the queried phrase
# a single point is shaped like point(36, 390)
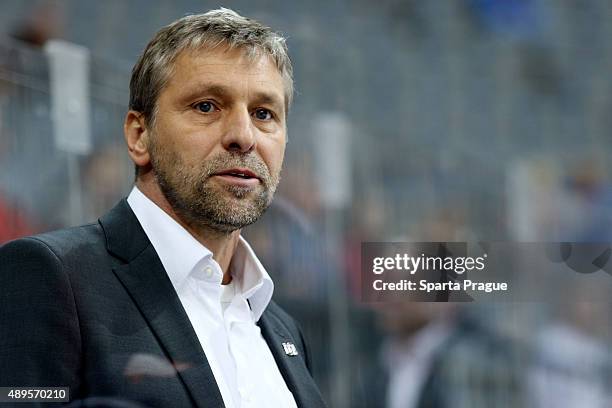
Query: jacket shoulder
point(62, 243)
point(39, 312)
point(65, 241)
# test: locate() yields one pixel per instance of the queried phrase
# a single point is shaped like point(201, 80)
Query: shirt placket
point(208, 291)
point(237, 315)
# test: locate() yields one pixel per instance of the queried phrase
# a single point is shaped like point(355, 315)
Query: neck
point(222, 245)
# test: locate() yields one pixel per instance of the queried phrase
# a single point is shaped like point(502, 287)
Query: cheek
point(189, 145)
point(273, 155)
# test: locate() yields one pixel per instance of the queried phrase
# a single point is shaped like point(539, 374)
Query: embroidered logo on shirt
point(290, 349)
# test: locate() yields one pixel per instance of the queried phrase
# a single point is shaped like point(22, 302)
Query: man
point(162, 303)
point(440, 355)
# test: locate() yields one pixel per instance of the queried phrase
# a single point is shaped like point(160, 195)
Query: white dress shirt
point(239, 357)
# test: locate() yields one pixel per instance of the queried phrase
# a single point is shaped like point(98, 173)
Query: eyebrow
point(221, 91)
point(209, 89)
point(268, 99)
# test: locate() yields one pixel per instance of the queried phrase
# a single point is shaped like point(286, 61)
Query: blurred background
point(438, 120)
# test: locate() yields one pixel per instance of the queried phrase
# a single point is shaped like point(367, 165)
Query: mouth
point(242, 173)
point(239, 176)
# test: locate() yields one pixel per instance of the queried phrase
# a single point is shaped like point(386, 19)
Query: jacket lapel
point(293, 368)
point(146, 280)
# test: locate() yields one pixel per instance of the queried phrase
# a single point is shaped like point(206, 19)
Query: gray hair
point(221, 27)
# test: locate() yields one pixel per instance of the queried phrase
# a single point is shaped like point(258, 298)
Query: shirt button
point(208, 271)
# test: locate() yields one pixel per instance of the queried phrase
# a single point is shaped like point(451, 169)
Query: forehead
point(231, 68)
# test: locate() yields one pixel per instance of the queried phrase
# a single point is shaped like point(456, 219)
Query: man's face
point(218, 139)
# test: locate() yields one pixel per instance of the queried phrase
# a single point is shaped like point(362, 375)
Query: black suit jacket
point(90, 306)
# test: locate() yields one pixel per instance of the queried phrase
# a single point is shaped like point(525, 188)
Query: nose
point(239, 135)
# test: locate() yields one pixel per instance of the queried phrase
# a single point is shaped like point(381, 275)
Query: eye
point(263, 114)
point(205, 107)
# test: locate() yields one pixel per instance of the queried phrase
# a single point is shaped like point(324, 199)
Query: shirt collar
point(180, 253)
point(253, 280)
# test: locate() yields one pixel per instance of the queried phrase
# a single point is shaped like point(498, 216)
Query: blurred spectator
point(24, 128)
point(15, 219)
point(104, 179)
point(441, 355)
point(288, 243)
point(44, 22)
point(288, 237)
point(14, 222)
point(588, 188)
point(524, 22)
point(573, 364)
point(366, 224)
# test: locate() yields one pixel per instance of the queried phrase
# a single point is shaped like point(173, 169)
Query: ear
point(137, 138)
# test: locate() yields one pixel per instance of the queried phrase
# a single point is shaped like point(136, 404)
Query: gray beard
point(214, 209)
point(203, 204)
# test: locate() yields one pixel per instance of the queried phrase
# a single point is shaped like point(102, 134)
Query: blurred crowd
point(470, 120)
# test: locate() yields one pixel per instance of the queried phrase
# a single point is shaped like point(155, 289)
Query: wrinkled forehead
point(227, 66)
point(230, 57)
